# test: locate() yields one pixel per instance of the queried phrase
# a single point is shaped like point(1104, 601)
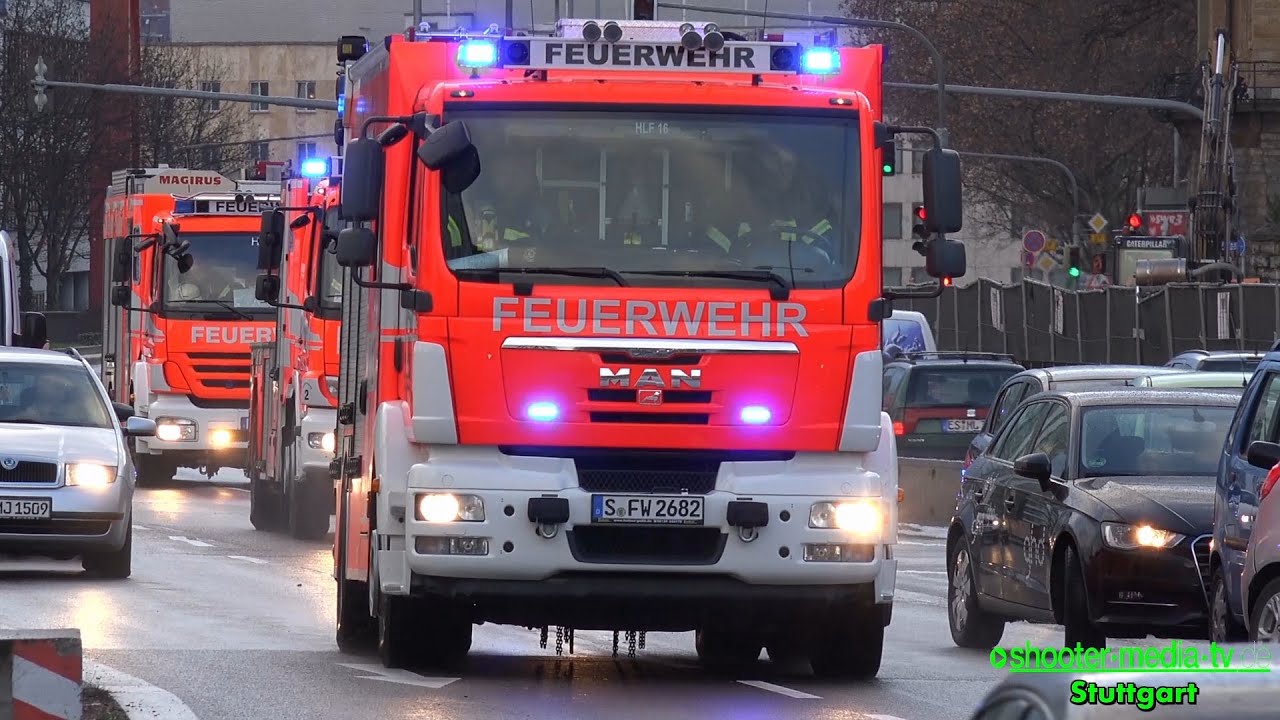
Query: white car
point(66, 477)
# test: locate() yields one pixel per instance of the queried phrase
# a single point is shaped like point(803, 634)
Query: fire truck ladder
point(1214, 203)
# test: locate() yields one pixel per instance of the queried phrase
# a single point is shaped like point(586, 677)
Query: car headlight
point(175, 429)
point(447, 508)
point(859, 517)
point(90, 474)
point(321, 441)
point(221, 437)
point(1130, 537)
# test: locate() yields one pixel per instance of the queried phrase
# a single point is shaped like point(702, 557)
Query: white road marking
point(189, 541)
point(937, 543)
point(780, 690)
point(923, 572)
point(138, 698)
point(246, 558)
point(400, 677)
point(141, 527)
point(243, 490)
point(919, 598)
point(884, 717)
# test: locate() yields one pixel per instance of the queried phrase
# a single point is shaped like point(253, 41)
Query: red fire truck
point(182, 248)
point(610, 353)
point(293, 386)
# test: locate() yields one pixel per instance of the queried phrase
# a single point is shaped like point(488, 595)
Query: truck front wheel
point(849, 646)
point(309, 508)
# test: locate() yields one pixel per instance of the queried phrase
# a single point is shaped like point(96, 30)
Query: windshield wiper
point(590, 272)
point(220, 303)
point(780, 291)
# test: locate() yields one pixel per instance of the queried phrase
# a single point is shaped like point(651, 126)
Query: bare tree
point(1122, 47)
point(45, 155)
point(169, 127)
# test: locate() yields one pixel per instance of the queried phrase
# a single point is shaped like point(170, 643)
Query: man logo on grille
point(9, 463)
point(649, 397)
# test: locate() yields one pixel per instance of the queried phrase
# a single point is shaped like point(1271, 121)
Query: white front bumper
point(207, 420)
point(507, 483)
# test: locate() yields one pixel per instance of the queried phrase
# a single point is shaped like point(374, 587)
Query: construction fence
point(1042, 325)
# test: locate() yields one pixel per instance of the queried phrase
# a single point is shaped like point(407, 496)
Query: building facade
point(294, 69)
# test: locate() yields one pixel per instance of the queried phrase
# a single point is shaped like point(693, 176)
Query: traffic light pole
point(1071, 178)
point(1023, 94)
point(938, 63)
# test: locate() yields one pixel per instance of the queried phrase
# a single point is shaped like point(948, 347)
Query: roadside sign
point(1051, 245)
point(1028, 258)
point(1237, 245)
point(1097, 223)
point(1033, 241)
point(1098, 238)
point(1047, 263)
point(1166, 223)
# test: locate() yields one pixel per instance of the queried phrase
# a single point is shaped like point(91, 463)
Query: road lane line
point(780, 690)
point(246, 558)
point(189, 541)
point(924, 572)
point(140, 527)
point(916, 598)
point(137, 697)
point(884, 717)
point(936, 543)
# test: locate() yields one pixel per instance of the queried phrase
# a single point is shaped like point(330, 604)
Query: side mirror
point(311, 304)
point(462, 172)
point(123, 412)
point(139, 427)
point(357, 247)
point(170, 235)
point(120, 296)
point(1263, 455)
point(441, 148)
point(1035, 466)
point(271, 240)
point(123, 262)
point(362, 168)
point(185, 261)
point(35, 330)
point(946, 259)
point(944, 209)
point(267, 289)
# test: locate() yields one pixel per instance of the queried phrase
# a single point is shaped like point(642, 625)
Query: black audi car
point(1092, 510)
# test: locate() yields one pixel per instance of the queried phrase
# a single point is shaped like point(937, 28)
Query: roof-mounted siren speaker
point(712, 39)
point(591, 31)
point(612, 32)
point(689, 37)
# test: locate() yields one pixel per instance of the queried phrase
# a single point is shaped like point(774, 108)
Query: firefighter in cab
point(788, 223)
point(508, 210)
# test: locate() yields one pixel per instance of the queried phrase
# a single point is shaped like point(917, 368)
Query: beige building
point(291, 69)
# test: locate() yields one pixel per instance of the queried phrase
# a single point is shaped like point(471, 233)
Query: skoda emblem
point(9, 463)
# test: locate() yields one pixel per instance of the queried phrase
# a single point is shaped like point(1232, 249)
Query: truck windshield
point(221, 278)
point(638, 191)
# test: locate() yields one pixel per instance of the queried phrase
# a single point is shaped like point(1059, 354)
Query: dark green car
point(938, 400)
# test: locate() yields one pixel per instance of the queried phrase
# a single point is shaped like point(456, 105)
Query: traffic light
point(1133, 226)
point(890, 152)
point(917, 222)
point(1073, 262)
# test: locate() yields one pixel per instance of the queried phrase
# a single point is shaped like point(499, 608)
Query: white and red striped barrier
point(40, 674)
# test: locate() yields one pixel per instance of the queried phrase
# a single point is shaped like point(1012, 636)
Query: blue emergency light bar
point(184, 207)
point(314, 168)
point(557, 53)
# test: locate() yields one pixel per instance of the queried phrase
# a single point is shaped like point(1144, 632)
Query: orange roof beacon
point(610, 353)
point(182, 246)
point(294, 383)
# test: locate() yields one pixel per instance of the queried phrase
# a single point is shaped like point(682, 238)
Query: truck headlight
point(859, 517)
point(1130, 537)
point(175, 429)
point(447, 508)
point(91, 475)
point(321, 441)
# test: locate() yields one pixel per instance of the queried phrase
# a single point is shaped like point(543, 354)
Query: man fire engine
point(182, 247)
point(611, 418)
point(294, 382)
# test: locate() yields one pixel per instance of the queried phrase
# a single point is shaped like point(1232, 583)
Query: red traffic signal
point(919, 212)
point(1135, 221)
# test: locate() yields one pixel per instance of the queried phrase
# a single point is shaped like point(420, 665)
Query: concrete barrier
point(40, 674)
point(929, 490)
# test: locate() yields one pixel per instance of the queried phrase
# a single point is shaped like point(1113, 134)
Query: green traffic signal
point(888, 169)
point(1074, 272)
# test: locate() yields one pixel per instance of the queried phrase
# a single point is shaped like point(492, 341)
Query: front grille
point(652, 418)
point(649, 473)
point(55, 527)
point(1200, 551)
point(645, 545)
point(616, 358)
point(220, 370)
point(30, 472)
point(669, 397)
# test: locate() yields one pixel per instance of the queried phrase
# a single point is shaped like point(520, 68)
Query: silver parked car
point(66, 477)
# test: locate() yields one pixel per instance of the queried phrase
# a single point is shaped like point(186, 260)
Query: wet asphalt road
point(238, 624)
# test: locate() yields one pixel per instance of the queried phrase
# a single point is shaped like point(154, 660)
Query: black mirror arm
point(894, 130)
point(935, 290)
point(364, 127)
point(380, 285)
point(153, 311)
